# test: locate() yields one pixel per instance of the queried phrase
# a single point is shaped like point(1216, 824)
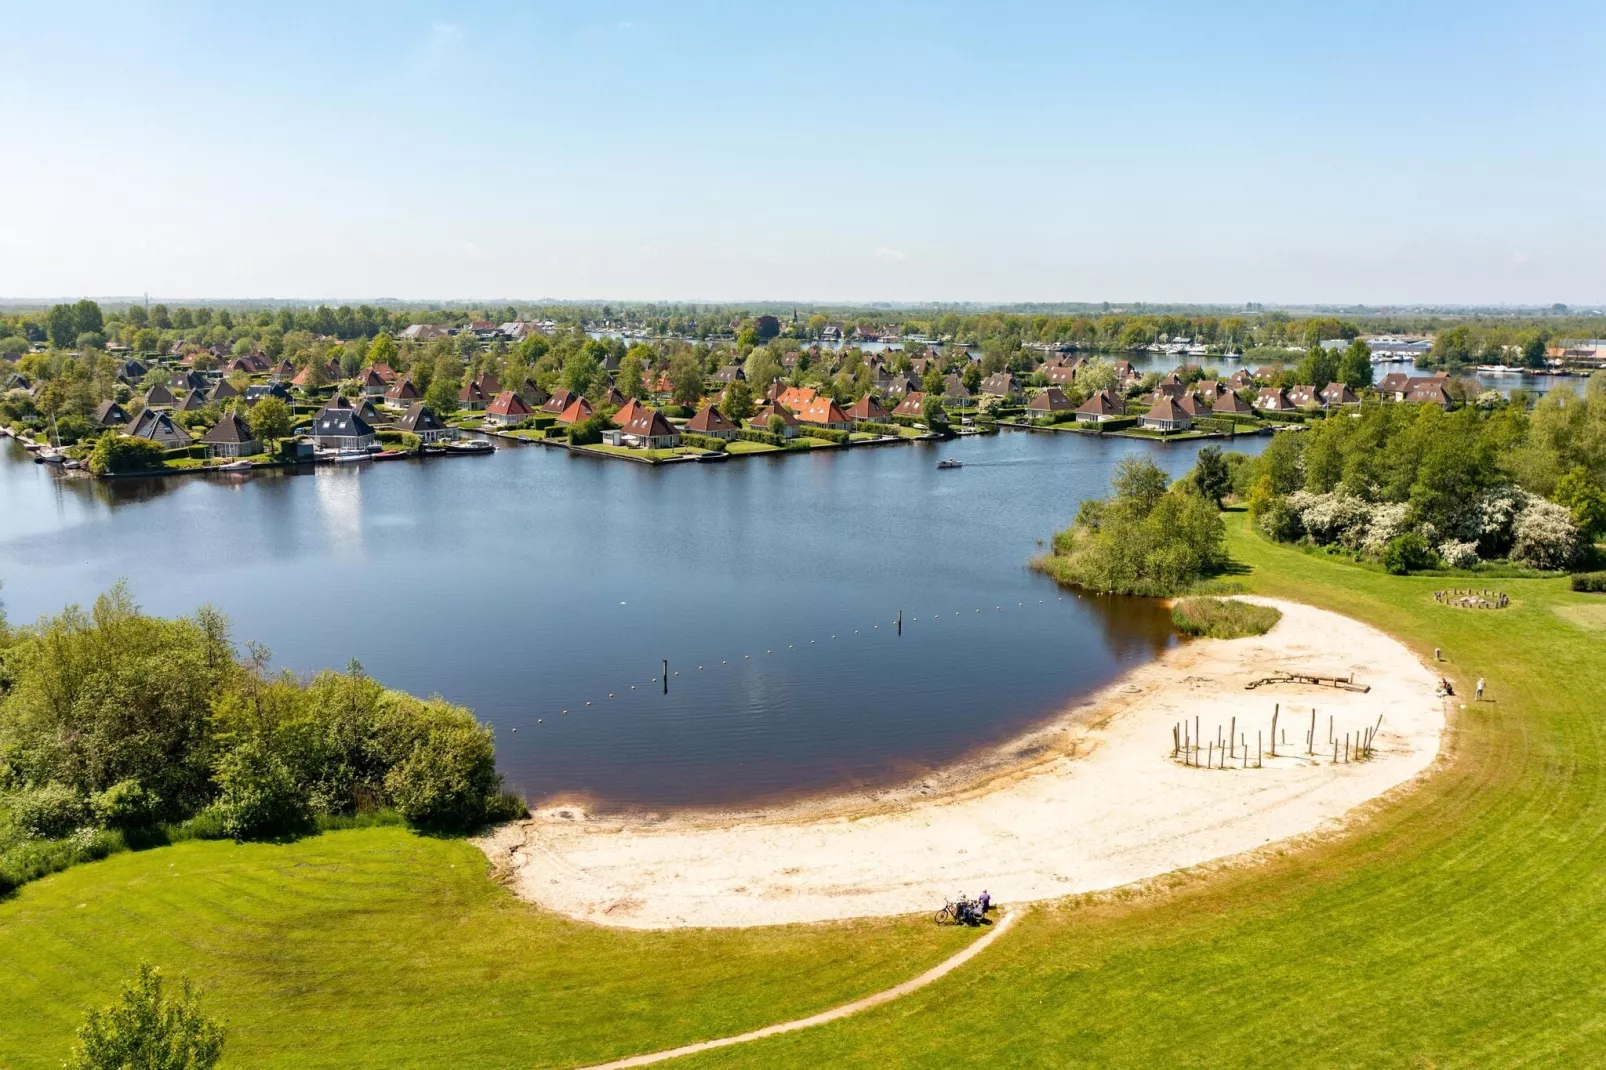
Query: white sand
point(1091, 802)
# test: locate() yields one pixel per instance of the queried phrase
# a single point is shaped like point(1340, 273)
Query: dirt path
point(942, 969)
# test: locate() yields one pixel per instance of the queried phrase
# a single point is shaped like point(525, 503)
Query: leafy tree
point(1406, 553)
point(446, 780)
point(441, 395)
point(933, 414)
point(1533, 349)
point(1140, 481)
point(149, 1030)
point(90, 340)
point(581, 371)
point(88, 315)
point(737, 404)
point(62, 326)
point(685, 379)
point(1355, 366)
point(777, 426)
point(1319, 367)
point(1211, 477)
point(269, 419)
point(260, 796)
point(1582, 494)
point(137, 316)
point(13, 346)
point(761, 369)
point(630, 378)
point(382, 350)
point(971, 376)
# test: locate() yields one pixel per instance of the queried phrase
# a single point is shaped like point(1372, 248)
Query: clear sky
point(1278, 152)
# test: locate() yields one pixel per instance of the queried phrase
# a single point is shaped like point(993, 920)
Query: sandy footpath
point(1089, 802)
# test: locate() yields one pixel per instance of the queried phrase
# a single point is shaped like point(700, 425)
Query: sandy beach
point(1091, 801)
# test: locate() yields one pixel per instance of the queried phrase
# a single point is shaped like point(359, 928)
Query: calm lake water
point(531, 582)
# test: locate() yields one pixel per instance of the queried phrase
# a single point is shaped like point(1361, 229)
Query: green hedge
point(1120, 423)
point(704, 442)
point(748, 434)
point(878, 429)
point(829, 434)
point(197, 452)
point(1592, 582)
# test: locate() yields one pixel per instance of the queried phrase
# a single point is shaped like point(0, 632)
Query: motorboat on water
point(949, 463)
point(350, 455)
point(235, 466)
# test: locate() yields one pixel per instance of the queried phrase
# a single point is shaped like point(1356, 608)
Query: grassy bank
point(379, 947)
point(1461, 926)
point(1223, 618)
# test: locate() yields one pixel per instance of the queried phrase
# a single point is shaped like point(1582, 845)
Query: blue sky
point(1376, 152)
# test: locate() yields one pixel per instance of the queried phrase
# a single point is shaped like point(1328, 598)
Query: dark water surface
point(533, 581)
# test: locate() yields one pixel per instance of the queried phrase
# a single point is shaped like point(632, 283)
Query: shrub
point(259, 795)
point(1545, 536)
point(751, 435)
point(1223, 618)
point(446, 780)
point(1591, 582)
point(704, 442)
point(146, 1028)
point(827, 433)
point(1407, 553)
point(127, 805)
point(588, 432)
point(1280, 521)
point(114, 454)
point(1457, 554)
point(50, 811)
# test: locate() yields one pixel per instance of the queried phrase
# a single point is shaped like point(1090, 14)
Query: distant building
point(1167, 415)
point(506, 408)
point(340, 429)
point(158, 427)
point(711, 422)
point(1102, 405)
point(231, 438)
point(421, 420)
point(1049, 401)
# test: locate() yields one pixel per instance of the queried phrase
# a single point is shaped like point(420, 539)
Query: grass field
point(378, 947)
point(1461, 926)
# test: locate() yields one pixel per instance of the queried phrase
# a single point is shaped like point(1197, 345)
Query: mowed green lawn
point(1465, 925)
point(381, 948)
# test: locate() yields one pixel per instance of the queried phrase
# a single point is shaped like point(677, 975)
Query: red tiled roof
point(507, 403)
point(577, 410)
point(822, 410)
point(709, 420)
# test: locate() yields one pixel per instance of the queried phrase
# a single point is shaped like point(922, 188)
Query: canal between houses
point(534, 581)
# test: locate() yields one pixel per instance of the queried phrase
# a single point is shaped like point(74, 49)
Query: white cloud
point(445, 35)
point(889, 256)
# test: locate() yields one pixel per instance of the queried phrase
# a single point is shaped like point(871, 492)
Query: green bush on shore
point(1223, 618)
point(119, 729)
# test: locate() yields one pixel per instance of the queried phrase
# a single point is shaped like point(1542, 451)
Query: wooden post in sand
point(1335, 752)
point(1232, 735)
point(1259, 752)
point(1210, 755)
point(666, 676)
point(1176, 741)
point(1187, 745)
point(1331, 738)
point(1275, 710)
point(1346, 746)
point(1310, 740)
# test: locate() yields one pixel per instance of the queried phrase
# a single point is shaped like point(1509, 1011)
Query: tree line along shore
point(140, 390)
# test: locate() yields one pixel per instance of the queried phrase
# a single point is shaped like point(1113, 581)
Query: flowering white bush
point(1390, 519)
point(1457, 554)
point(1544, 535)
point(1336, 517)
point(1489, 520)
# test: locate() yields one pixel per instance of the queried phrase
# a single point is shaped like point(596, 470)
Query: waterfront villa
point(472, 396)
point(1230, 403)
point(1338, 394)
point(647, 430)
point(1303, 396)
point(402, 393)
point(158, 427)
point(824, 412)
point(910, 405)
point(711, 422)
point(1049, 401)
point(109, 414)
point(373, 384)
point(506, 408)
point(578, 409)
point(557, 401)
point(231, 438)
point(795, 397)
point(341, 429)
point(954, 387)
point(626, 412)
point(1430, 391)
point(1103, 405)
point(1273, 399)
point(761, 420)
point(867, 408)
point(1000, 385)
point(1194, 404)
point(1167, 415)
point(422, 421)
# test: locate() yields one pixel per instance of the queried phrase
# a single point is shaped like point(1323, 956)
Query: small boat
point(48, 456)
point(348, 456)
point(470, 446)
point(949, 463)
point(235, 466)
point(712, 457)
point(391, 455)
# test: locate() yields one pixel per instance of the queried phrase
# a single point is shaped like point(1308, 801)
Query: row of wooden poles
point(1187, 744)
